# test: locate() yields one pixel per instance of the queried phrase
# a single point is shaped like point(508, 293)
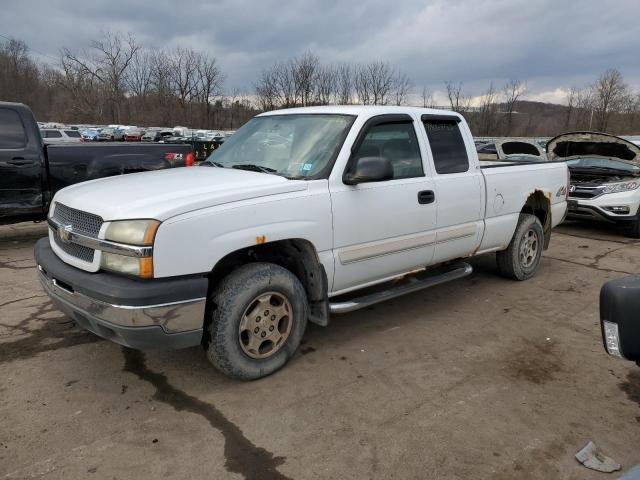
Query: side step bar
point(454, 272)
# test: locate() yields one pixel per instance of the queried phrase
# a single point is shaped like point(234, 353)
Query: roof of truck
point(368, 110)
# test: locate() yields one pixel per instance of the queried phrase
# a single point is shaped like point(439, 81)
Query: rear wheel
point(521, 259)
point(259, 314)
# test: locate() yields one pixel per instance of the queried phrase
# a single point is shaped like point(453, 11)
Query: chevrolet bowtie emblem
point(64, 233)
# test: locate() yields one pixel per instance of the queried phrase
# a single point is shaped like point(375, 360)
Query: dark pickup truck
point(31, 172)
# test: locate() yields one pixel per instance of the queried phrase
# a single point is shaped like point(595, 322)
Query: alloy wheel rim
point(529, 248)
point(265, 325)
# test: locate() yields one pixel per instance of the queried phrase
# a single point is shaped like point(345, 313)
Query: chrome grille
point(78, 251)
point(81, 222)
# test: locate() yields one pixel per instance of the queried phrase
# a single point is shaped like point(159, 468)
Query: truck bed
point(69, 164)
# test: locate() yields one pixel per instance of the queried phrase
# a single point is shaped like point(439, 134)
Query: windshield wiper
point(254, 168)
point(212, 164)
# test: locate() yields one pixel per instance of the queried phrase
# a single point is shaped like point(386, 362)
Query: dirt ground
point(480, 378)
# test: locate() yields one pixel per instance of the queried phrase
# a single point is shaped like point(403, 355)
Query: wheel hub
point(529, 248)
point(265, 325)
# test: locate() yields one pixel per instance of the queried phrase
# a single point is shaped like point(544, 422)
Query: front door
point(383, 229)
point(20, 168)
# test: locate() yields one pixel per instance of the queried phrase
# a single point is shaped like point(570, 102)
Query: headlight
point(135, 266)
point(132, 232)
point(621, 187)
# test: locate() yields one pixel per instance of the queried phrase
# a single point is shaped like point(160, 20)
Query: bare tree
point(266, 90)
point(489, 110)
point(183, 78)
point(609, 93)
point(381, 80)
point(209, 81)
point(326, 83)
point(401, 88)
point(345, 84)
point(572, 98)
point(513, 91)
point(304, 73)
point(138, 75)
point(427, 98)
point(457, 100)
point(106, 63)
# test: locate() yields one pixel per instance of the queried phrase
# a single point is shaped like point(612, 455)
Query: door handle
point(19, 161)
point(426, 196)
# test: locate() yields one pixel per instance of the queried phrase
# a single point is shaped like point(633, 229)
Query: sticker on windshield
point(306, 167)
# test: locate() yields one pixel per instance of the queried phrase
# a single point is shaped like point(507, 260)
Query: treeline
point(304, 81)
point(607, 105)
point(115, 79)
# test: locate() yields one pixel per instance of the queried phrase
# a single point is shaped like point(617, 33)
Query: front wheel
point(258, 316)
point(634, 228)
point(521, 259)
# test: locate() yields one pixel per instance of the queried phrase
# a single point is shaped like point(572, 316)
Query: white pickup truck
point(300, 214)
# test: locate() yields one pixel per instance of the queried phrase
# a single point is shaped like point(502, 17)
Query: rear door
point(382, 229)
point(20, 167)
point(458, 186)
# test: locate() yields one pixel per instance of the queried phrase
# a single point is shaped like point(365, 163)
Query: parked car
point(620, 317)
point(519, 150)
point(487, 151)
point(152, 136)
point(90, 135)
point(605, 177)
point(133, 135)
point(106, 135)
point(174, 139)
point(118, 134)
point(238, 254)
point(31, 173)
point(59, 135)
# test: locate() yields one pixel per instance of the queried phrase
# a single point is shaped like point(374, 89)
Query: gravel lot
point(480, 378)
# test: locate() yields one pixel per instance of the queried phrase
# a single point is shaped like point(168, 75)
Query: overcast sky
point(551, 45)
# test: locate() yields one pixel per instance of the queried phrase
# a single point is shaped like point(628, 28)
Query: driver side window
point(398, 143)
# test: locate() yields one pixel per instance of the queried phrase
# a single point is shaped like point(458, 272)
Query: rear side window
point(12, 133)
point(447, 146)
point(72, 133)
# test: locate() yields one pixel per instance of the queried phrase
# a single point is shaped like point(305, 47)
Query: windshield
point(294, 146)
point(599, 162)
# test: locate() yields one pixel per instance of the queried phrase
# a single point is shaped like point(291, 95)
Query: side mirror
point(369, 169)
point(620, 317)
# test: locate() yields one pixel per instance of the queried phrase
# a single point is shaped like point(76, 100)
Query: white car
point(605, 177)
point(238, 254)
point(60, 135)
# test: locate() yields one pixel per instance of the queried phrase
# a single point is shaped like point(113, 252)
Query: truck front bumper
point(143, 314)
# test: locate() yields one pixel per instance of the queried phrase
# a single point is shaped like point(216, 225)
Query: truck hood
point(165, 193)
point(591, 144)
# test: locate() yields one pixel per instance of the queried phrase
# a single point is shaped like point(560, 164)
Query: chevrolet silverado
point(301, 214)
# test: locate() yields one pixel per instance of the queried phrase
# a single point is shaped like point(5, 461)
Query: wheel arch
point(297, 255)
point(538, 203)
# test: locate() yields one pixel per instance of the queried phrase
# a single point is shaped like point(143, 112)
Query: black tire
point(233, 297)
point(634, 228)
point(512, 262)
